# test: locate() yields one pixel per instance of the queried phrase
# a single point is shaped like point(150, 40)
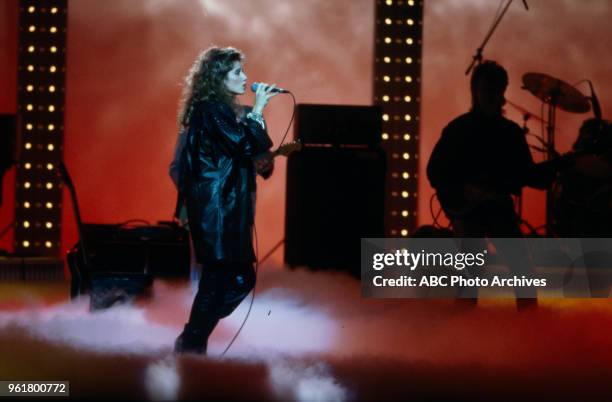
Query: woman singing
point(214, 170)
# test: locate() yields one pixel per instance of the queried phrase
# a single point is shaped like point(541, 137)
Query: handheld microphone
point(595, 102)
point(255, 85)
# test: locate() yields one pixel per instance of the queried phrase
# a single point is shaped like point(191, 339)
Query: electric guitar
point(475, 196)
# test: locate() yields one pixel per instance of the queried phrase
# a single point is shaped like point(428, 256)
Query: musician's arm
point(256, 132)
point(264, 164)
point(174, 168)
point(537, 175)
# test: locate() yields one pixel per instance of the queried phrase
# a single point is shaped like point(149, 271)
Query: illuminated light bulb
point(385, 117)
point(54, 10)
point(26, 204)
point(411, 3)
point(388, 21)
point(386, 78)
point(408, 78)
point(48, 225)
point(28, 165)
point(50, 127)
point(406, 155)
point(52, 69)
point(49, 205)
point(51, 88)
point(389, 2)
point(30, 68)
point(407, 137)
point(31, 9)
point(407, 117)
point(387, 59)
point(29, 126)
point(53, 29)
point(28, 145)
point(27, 184)
point(385, 98)
point(26, 224)
point(48, 244)
point(53, 49)
point(410, 21)
point(30, 88)
point(49, 166)
point(406, 175)
point(26, 243)
point(387, 40)
point(32, 28)
point(51, 108)
point(50, 147)
point(404, 213)
point(49, 186)
point(31, 49)
point(404, 194)
point(408, 60)
point(407, 98)
point(29, 107)
point(404, 232)
point(409, 41)
point(385, 136)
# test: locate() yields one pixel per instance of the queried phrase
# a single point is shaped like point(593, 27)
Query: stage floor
point(310, 337)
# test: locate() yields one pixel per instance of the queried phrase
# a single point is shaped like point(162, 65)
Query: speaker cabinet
point(335, 196)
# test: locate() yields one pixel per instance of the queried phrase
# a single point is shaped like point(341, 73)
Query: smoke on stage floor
point(310, 336)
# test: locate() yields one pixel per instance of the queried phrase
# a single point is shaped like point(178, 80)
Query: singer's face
point(235, 80)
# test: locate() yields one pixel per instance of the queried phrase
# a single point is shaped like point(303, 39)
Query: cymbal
point(554, 91)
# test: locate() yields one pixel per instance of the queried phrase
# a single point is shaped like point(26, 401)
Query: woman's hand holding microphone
point(265, 164)
point(262, 96)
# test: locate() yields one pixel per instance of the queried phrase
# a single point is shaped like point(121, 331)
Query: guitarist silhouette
point(480, 160)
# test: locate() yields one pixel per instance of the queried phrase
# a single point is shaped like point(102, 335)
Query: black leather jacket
point(217, 181)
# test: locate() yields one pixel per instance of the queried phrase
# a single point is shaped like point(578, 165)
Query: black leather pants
point(222, 288)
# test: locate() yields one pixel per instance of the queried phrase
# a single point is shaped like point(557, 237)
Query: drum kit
point(581, 203)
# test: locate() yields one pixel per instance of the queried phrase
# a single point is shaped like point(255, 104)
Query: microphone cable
point(291, 120)
point(257, 262)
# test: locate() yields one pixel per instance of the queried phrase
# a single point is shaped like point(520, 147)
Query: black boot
point(191, 341)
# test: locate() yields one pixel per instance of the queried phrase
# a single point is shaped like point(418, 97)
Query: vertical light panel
point(397, 89)
point(41, 94)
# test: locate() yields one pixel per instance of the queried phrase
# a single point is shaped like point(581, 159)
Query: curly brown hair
point(205, 80)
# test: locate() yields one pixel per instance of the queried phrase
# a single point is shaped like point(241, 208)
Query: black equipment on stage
point(335, 186)
point(126, 259)
point(338, 125)
point(117, 263)
point(8, 131)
